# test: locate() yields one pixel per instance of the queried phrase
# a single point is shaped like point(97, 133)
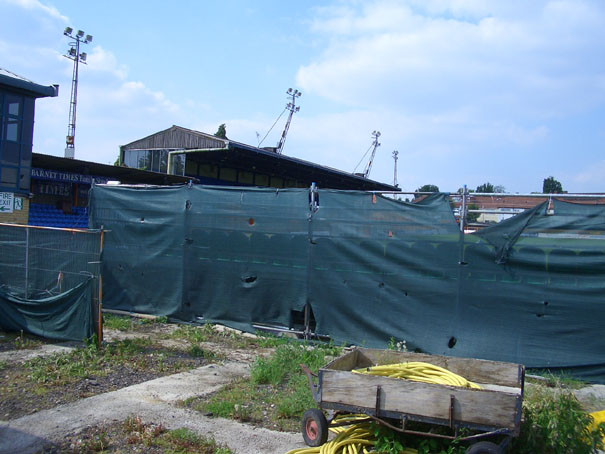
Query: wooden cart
point(493, 412)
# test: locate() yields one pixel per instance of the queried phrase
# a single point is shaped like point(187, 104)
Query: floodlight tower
point(375, 144)
point(291, 106)
point(74, 54)
point(395, 157)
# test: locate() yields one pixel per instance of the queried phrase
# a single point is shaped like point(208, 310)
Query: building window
point(16, 131)
point(152, 160)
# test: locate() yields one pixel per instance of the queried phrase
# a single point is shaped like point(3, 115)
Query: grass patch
point(209, 333)
point(89, 361)
point(277, 393)
point(118, 322)
point(128, 323)
point(133, 435)
point(84, 362)
point(176, 441)
point(194, 333)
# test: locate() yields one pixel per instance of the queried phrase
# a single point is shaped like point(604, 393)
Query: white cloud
point(591, 176)
point(35, 5)
point(421, 62)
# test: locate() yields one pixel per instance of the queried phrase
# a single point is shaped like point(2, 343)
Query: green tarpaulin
point(530, 289)
point(66, 316)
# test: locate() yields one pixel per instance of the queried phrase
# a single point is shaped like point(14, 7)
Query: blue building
point(17, 105)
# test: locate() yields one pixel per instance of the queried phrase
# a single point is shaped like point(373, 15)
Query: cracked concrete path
point(154, 401)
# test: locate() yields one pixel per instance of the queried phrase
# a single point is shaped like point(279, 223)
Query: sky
point(467, 91)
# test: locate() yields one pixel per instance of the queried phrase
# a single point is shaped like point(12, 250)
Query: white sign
point(18, 205)
point(6, 202)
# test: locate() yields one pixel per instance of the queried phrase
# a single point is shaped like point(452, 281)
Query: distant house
point(216, 161)
point(497, 208)
point(17, 105)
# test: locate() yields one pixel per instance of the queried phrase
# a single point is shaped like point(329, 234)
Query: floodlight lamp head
point(68, 31)
point(289, 91)
point(83, 56)
point(297, 108)
point(88, 38)
point(298, 93)
point(72, 51)
point(80, 34)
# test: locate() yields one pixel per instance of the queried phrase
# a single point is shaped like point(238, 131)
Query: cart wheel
point(484, 447)
point(314, 427)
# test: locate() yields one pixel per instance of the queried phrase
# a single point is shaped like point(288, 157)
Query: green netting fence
point(362, 268)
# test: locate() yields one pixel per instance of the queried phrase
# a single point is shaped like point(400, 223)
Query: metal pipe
point(463, 210)
point(500, 194)
point(26, 262)
point(100, 302)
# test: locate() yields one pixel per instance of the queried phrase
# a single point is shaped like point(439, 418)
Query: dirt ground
point(69, 418)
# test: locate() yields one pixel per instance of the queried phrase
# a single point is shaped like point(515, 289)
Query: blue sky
point(467, 91)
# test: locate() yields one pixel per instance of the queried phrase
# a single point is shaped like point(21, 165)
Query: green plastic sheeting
point(529, 290)
point(66, 316)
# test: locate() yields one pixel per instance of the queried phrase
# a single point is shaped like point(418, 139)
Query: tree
point(221, 133)
point(485, 187)
point(117, 161)
point(428, 188)
point(551, 186)
point(499, 189)
point(472, 217)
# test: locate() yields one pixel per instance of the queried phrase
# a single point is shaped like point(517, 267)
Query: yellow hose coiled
point(353, 439)
point(421, 372)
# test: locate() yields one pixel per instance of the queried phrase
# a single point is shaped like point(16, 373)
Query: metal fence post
point(26, 262)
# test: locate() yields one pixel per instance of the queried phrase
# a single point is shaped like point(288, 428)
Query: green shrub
point(554, 423)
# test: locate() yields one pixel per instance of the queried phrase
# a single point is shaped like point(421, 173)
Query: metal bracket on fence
point(313, 199)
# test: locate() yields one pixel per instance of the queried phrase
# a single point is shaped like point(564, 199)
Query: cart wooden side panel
point(488, 409)
point(485, 409)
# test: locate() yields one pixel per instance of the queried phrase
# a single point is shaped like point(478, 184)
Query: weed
point(398, 346)
point(184, 441)
point(265, 339)
point(223, 404)
point(84, 362)
point(196, 352)
point(554, 422)
point(293, 403)
point(277, 391)
point(121, 323)
point(3, 365)
point(285, 361)
point(192, 333)
point(387, 441)
point(98, 442)
point(555, 379)
point(138, 432)
point(22, 342)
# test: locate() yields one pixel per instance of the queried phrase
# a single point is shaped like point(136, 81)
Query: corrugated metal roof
point(237, 154)
point(15, 81)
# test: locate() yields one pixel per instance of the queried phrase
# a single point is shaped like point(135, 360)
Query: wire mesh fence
point(38, 263)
